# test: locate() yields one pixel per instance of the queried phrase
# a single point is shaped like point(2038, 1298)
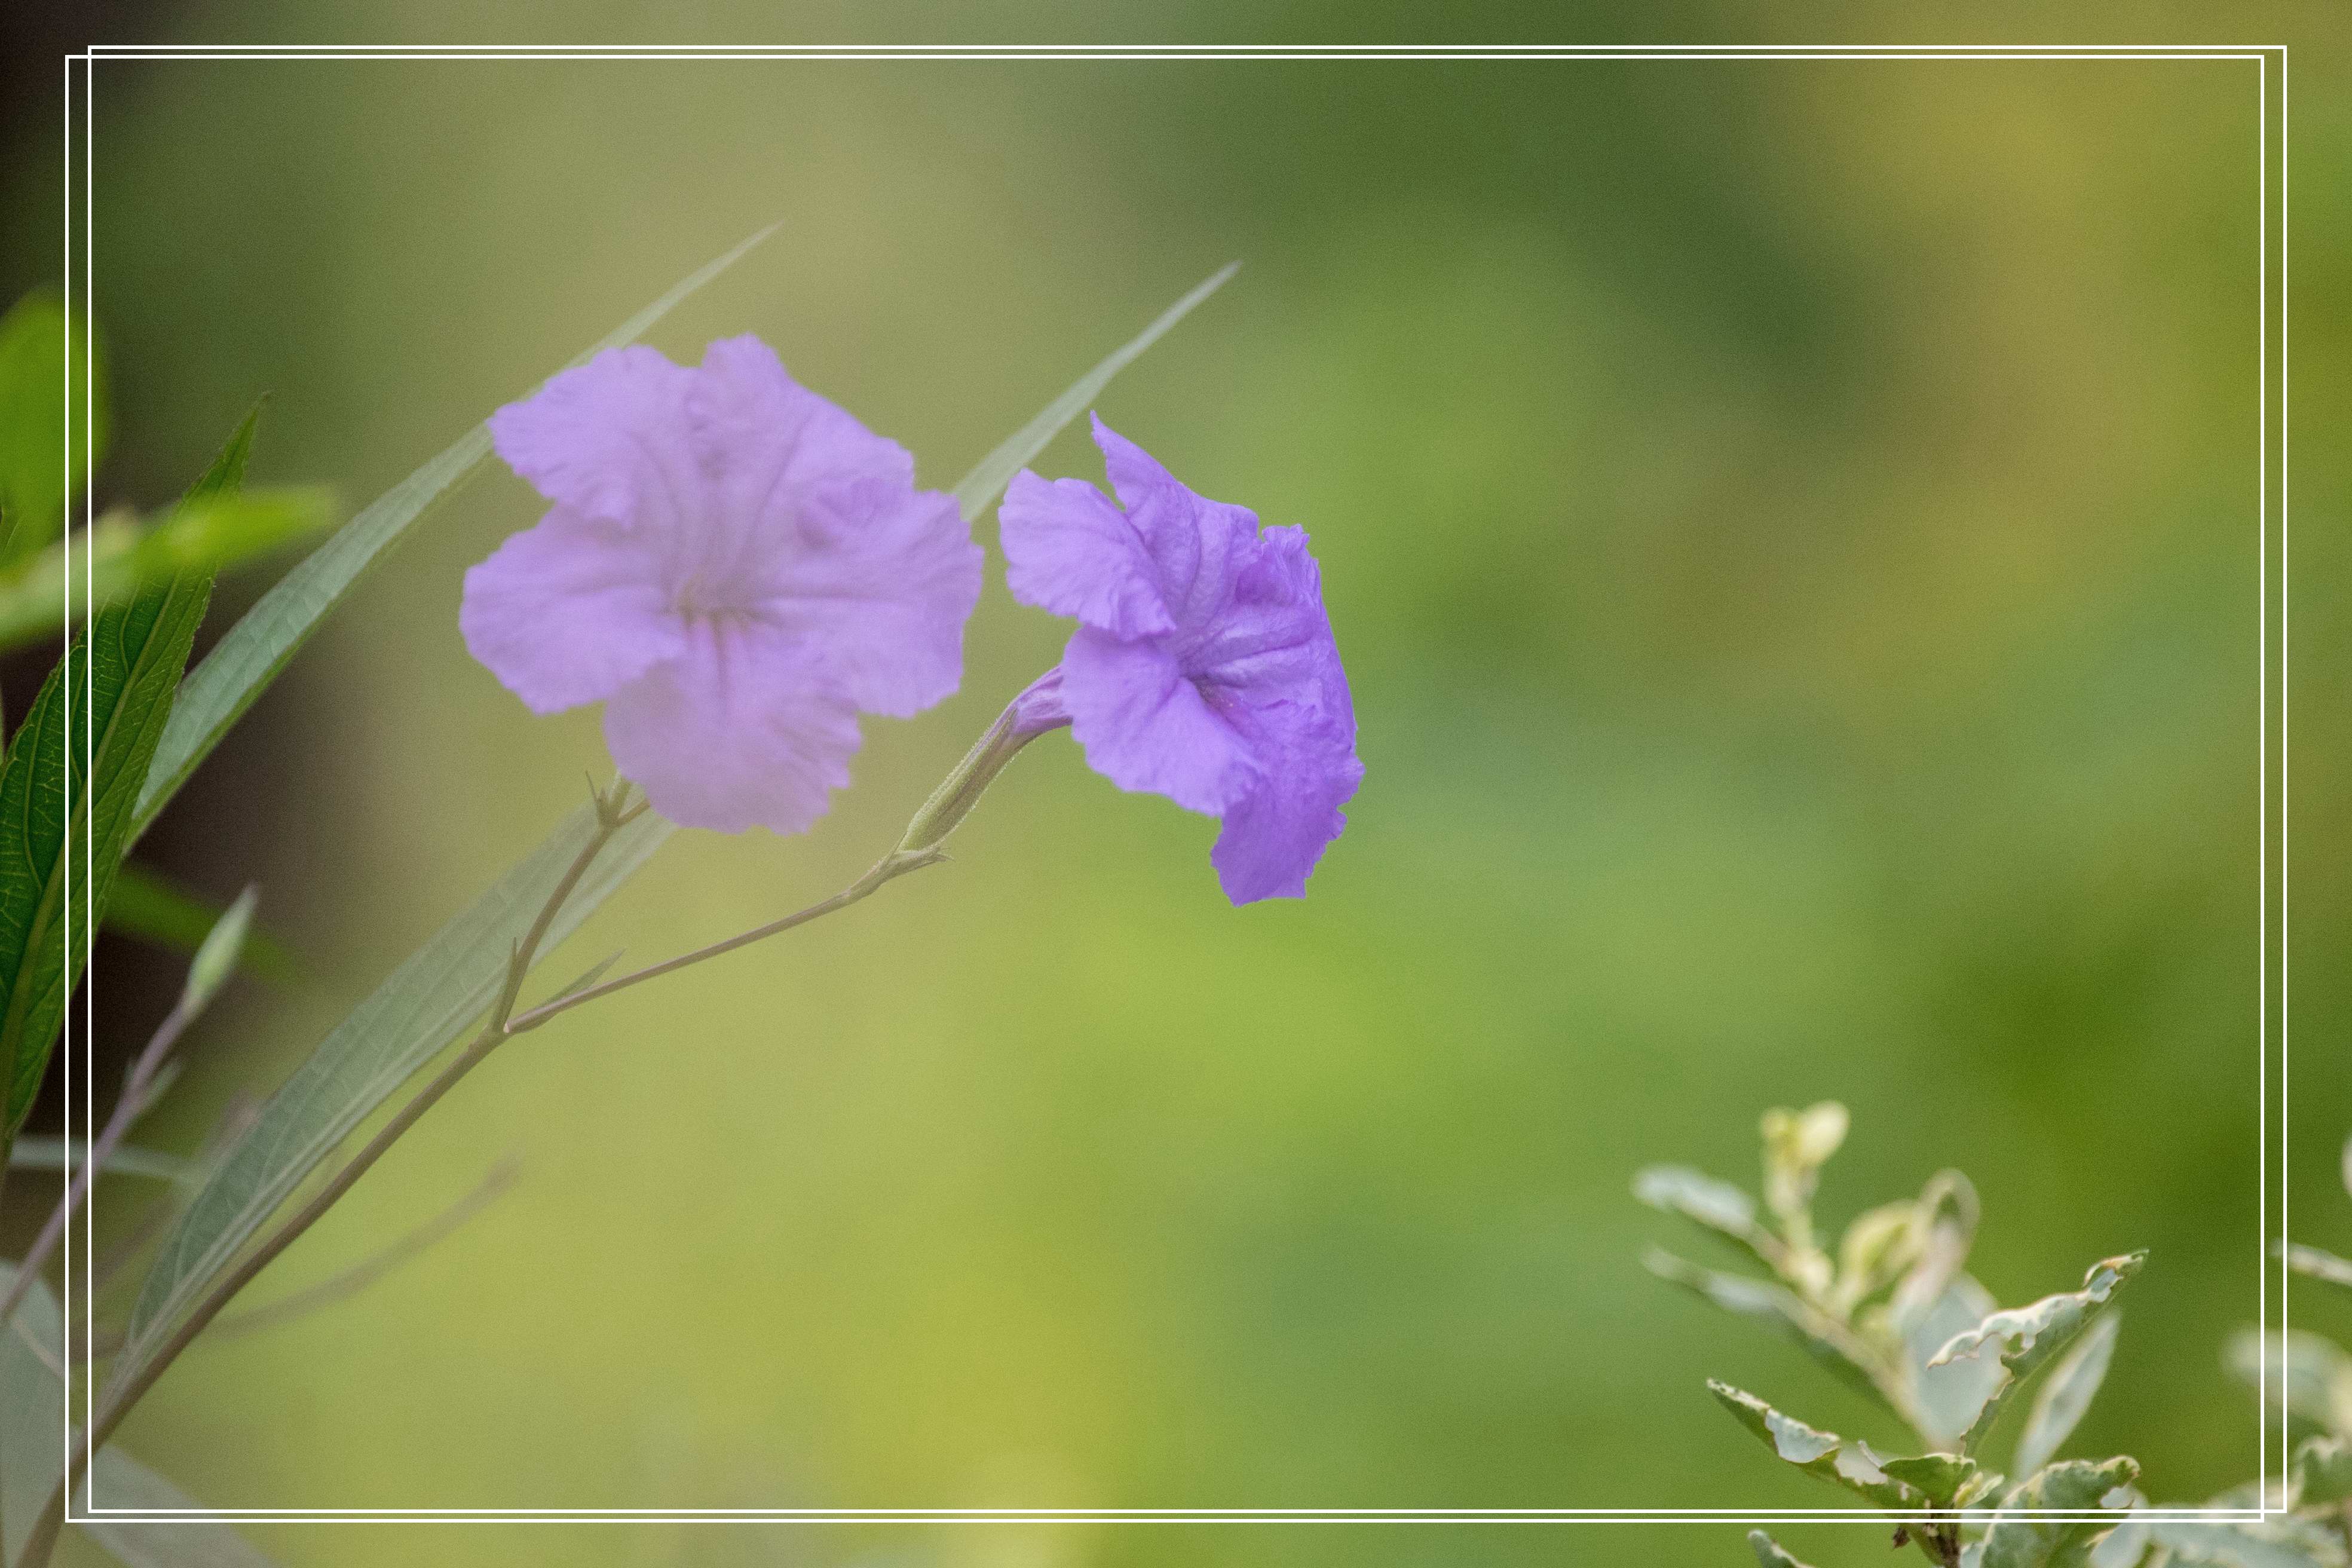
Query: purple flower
point(735, 566)
point(1204, 667)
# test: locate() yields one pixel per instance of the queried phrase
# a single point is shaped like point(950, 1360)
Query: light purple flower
point(735, 566)
point(1203, 667)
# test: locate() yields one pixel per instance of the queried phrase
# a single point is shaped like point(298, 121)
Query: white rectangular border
point(2263, 54)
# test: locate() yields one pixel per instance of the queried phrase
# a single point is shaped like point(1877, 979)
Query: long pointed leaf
point(242, 665)
point(68, 787)
point(995, 471)
point(440, 989)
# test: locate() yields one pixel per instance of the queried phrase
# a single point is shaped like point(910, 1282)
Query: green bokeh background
point(1792, 527)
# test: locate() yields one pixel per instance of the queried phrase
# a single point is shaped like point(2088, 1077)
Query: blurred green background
point(1792, 531)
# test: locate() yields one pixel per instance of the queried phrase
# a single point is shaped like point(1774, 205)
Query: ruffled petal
point(1145, 727)
point(568, 611)
point(825, 536)
point(611, 439)
point(1135, 476)
point(1068, 550)
point(1274, 836)
point(745, 728)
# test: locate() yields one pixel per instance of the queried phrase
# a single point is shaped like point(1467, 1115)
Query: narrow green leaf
point(420, 1008)
point(1715, 1205)
point(250, 657)
point(2321, 1471)
point(987, 481)
point(1823, 1337)
point(2076, 1485)
point(217, 958)
point(32, 1410)
point(150, 907)
point(117, 1480)
point(2027, 1339)
point(62, 788)
point(129, 1160)
point(35, 485)
point(2067, 1394)
point(1824, 1455)
point(1769, 1554)
point(116, 557)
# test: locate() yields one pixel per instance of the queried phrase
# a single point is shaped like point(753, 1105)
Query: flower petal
point(822, 533)
point(1135, 475)
point(747, 727)
point(568, 611)
point(609, 438)
point(1068, 550)
point(1145, 727)
point(1274, 836)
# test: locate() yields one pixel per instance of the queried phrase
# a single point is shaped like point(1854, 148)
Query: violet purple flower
point(735, 566)
point(1203, 667)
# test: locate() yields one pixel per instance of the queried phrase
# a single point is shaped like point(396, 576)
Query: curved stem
point(612, 814)
point(896, 864)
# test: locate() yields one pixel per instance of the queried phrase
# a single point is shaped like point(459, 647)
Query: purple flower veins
point(735, 566)
point(1203, 667)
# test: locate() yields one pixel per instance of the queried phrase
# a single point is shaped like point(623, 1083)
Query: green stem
point(612, 814)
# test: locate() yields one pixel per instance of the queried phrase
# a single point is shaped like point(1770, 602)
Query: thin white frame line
point(1197, 55)
point(2260, 54)
point(65, 647)
point(2262, 764)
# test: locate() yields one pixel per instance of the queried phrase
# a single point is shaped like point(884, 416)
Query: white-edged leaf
point(1947, 1397)
point(1823, 1455)
point(1769, 1302)
point(1770, 1553)
point(1712, 1205)
point(244, 663)
point(2286, 1543)
point(2313, 1264)
point(2074, 1487)
point(2027, 1339)
point(2067, 1394)
point(2308, 1373)
point(993, 472)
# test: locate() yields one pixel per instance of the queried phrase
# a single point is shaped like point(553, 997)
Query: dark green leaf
point(250, 657)
point(76, 788)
